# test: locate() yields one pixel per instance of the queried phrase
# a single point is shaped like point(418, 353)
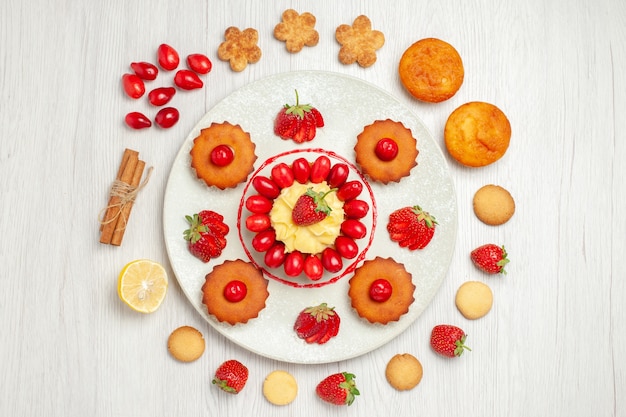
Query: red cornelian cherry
point(235, 291)
point(187, 80)
point(386, 149)
point(222, 155)
point(161, 95)
point(380, 290)
point(167, 117)
point(199, 63)
point(136, 120)
point(168, 57)
point(133, 85)
point(145, 70)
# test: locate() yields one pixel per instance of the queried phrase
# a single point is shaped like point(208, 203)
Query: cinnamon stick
point(113, 212)
point(125, 157)
point(122, 219)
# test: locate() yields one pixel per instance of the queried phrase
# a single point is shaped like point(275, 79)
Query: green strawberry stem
point(460, 346)
point(350, 386)
point(319, 199)
point(502, 262)
point(223, 385)
point(424, 215)
point(298, 109)
point(196, 228)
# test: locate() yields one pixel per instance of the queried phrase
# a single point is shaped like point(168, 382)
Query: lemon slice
point(142, 285)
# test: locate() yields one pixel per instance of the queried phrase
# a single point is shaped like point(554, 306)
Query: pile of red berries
point(185, 79)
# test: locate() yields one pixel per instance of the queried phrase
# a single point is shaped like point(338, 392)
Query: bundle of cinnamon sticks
point(121, 198)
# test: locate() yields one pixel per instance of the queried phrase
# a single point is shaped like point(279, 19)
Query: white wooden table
point(552, 345)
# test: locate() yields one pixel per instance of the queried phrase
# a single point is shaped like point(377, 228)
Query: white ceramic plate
point(347, 104)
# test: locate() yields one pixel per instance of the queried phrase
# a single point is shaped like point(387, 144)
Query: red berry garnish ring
point(282, 230)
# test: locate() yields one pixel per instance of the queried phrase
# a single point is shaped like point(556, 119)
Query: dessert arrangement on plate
point(310, 233)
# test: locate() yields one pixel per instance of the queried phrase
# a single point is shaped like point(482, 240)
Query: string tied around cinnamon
point(122, 194)
point(126, 194)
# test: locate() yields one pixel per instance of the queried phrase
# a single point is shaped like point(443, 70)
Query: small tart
point(402, 289)
point(376, 168)
point(237, 140)
point(245, 309)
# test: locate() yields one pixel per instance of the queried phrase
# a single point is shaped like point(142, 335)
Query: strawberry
point(317, 324)
point(311, 208)
point(206, 235)
point(338, 389)
point(298, 122)
point(448, 340)
point(412, 227)
point(490, 258)
point(231, 376)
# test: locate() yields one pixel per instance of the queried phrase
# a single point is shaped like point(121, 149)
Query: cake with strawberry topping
point(223, 155)
point(306, 217)
point(386, 151)
point(235, 292)
point(381, 290)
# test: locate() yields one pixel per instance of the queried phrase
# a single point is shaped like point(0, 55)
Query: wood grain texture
point(551, 344)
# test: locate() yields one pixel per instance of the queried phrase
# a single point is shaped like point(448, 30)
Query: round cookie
point(474, 299)
point(186, 344)
point(431, 70)
point(477, 134)
point(280, 387)
point(404, 372)
point(493, 205)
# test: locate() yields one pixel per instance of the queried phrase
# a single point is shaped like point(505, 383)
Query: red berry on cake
point(411, 227)
point(386, 149)
point(310, 208)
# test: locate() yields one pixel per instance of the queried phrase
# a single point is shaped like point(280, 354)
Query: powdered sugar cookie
point(359, 42)
point(296, 30)
point(239, 48)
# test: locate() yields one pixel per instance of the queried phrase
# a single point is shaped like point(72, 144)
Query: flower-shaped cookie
point(359, 42)
point(296, 30)
point(239, 48)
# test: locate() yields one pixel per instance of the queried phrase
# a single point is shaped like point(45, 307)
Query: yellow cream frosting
point(306, 239)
